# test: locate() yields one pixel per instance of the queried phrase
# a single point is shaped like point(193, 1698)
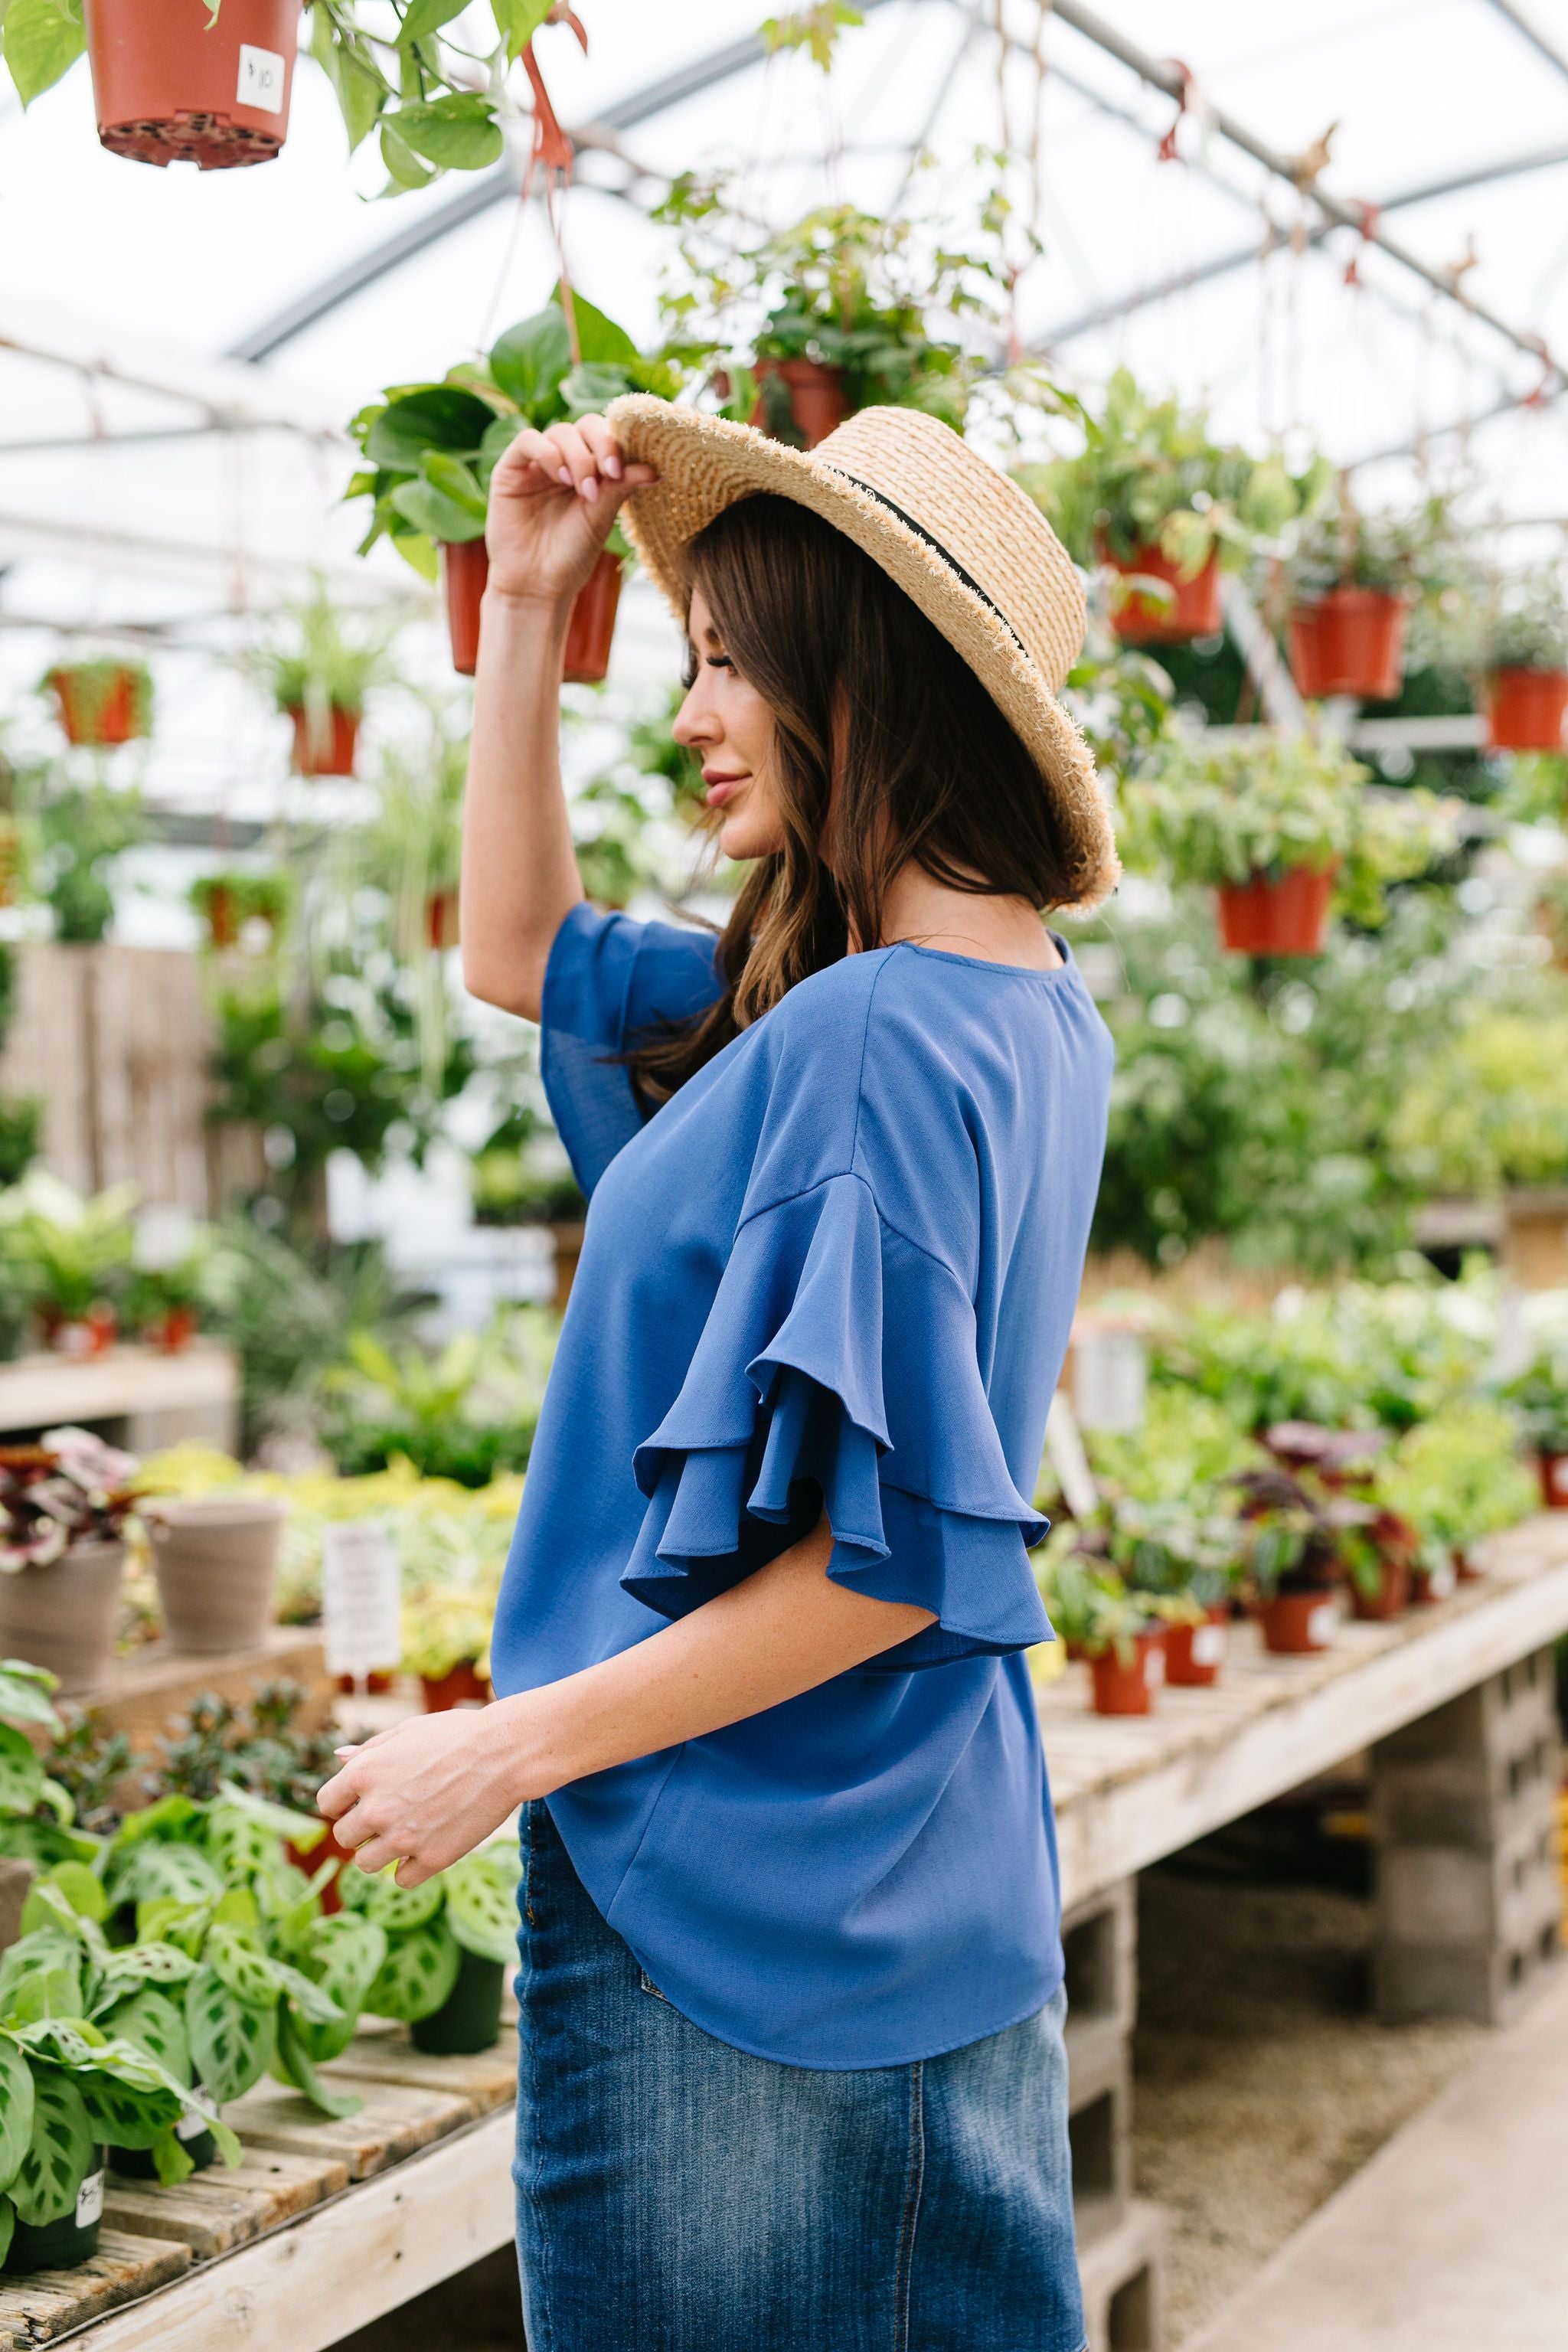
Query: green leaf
point(593, 386)
point(599, 340)
point(292, 2065)
point(171, 2161)
point(32, 1956)
point(481, 1904)
point(438, 417)
point(45, 1843)
point(21, 1771)
point(151, 1963)
point(249, 1975)
point(82, 1888)
point(231, 2043)
point(419, 553)
point(153, 1872)
point(530, 361)
point(16, 2109)
point(307, 1998)
point(458, 132)
point(127, 2113)
point(165, 1818)
point(7, 2227)
point(61, 2150)
point(426, 16)
point(418, 1972)
point(150, 2021)
point(401, 162)
point(345, 1953)
point(361, 91)
point(43, 39)
point(54, 1989)
point(396, 1909)
point(24, 1693)
point(435, 515)
point(517, 21)
point(303, 1832)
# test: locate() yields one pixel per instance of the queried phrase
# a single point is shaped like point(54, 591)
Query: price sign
point(360, 1598)
point(1064, 1449)
point(1111, 1377)
point(260, 79)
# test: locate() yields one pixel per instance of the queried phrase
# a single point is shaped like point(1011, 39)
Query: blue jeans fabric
point(675, 2194)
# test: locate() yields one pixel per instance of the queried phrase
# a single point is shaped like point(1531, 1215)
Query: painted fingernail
point(613, 467)
point(564, 473)
point(590, 486)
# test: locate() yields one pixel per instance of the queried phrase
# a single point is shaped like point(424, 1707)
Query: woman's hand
point(427, 1792)
point(553, 497)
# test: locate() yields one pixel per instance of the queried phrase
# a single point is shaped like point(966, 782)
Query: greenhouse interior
point(1025, 425)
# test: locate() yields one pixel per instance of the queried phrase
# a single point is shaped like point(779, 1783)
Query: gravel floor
point(1261, 2083)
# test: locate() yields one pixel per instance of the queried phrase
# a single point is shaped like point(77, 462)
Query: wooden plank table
point(329, 2224)
point(153, 1397)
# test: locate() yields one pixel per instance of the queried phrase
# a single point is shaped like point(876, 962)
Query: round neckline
point(987, 964)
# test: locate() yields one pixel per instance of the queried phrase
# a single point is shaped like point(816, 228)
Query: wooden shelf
point(134, 1384)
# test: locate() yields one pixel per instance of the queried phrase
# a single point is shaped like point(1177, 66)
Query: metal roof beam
point(1532, 32)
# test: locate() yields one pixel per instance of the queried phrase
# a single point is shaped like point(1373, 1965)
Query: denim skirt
point(675, 2194)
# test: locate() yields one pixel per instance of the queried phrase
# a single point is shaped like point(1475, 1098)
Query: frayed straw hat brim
point(962, 542)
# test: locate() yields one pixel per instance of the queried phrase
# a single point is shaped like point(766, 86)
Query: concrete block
point(1099, 2133)
point(1124, 2284)
point(1099, 1940)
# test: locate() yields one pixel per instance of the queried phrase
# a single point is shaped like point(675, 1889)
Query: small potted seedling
point(232, 903)
point(1293, 1560)
point(102, 703)
point(73, 1255)
point(1184, 1557)
point(319, 673)
point(448, 1946)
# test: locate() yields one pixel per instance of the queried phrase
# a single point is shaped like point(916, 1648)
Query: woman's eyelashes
point(719, 661)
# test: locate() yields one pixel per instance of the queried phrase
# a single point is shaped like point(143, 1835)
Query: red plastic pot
point(1194, 1653)
point(466, 565)
point(377, 1683)
point(169, 90)
point(817, 400)
point(93, 1335)
point(1295, 1623)
point(1285, 918)
point(327, 1849)
point(1129, 1689)
point(172, 1332)
point(464, 1685)
point(1191, 610)
point(1392, 1597)
point(593, 624)
point(329, 751)
point(441, 921)
point(113, 722)
point(1553, 1480)
point(1526, 709)
point(1351, 641)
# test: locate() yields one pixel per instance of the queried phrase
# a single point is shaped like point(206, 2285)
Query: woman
point(793, 2069)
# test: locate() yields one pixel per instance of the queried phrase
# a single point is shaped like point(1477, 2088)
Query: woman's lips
point(723, 788)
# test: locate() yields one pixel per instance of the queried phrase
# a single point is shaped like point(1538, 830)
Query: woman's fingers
point(375, 1853)
point(607, 450)
point(582, 457)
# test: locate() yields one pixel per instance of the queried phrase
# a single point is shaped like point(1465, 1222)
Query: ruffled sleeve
point(607, 979)
point(839, 1368)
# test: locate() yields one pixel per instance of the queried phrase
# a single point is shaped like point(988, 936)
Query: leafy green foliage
point(418, 1972)
point(61, 2150)
point(231, 2044)
point(23, 1694)
point(16, 2110)
point(1493, 1111)
point(398, 1909)
point(43, 39)
point(481, 1902)
point(21, 1772)
point(293, 2064)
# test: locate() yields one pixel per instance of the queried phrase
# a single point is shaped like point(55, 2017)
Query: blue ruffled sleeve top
point(836, 1270)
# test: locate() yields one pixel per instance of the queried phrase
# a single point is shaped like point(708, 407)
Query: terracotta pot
point(328, 752)
point(1351, 641)
point(330, 1898)
point(1430, 1585)
point(223, 916)
point(377, 1683)
point(1294, 1623)
point(1283, 917)
point(1193, 610)
point(441, 921)
point(1525, 709)
point(1554, 1470)
point(113, 722)
point(465, 567)
point(463, 1686)
point(217, 1564)
point(1392, 1597)
point(468, 2019)
point(1129, 1689)
point(593, 624)
point(60, 2245)
point(65, 1616)
point(1194, 1653)
point(817, 400)
point(172, 1333)
point(169, 90)
point(92, 1334)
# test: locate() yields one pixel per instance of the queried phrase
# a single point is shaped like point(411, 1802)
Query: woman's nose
point(692, 724)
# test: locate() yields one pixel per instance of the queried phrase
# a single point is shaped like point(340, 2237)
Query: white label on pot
point(360, 1597)
point(1441, 1580)
point(192, 2124)
point(89, 2202)
point(1320, 1623)
point(1154, 1666)
point(1208, 1645)
point(260, 78)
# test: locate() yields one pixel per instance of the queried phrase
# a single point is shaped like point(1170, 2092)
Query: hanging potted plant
point(318, 676)
point(1354, 579)
point(231, 902)
point(73, 1257)
point(433, 448)
point(1293, 1560)
point(448, 1945)
point(1526, 661)
point(63, 1508)
point(102, 703)
point(1164, 508)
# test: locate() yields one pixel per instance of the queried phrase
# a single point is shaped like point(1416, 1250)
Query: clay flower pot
point(329, 750)
point(462, 1686)
point(1129, 1689)
point(1191, 610)
point(817, 400)
point(1554, 1470)
point(172, 87)
point(92, 1334)
point(172, 1333)
point(61, 2245)
point(464, 568)
point(1351, 641)
point(1391, 1598)
point(1525, 709)
point(217, 1564)
point(441, 921)
point(593, 624)
point(97, 721)
point(1194, 1653)
point(468, 2019)
point(1285, 918)
point(1296, 1622)
point(65, 1616)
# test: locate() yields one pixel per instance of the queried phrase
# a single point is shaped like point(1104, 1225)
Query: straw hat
point(964, 542)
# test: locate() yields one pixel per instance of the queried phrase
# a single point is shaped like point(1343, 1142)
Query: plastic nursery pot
point(593, 624)
point(328, 1850)
point(172, 1333)
point(1285, 918)
point(1194, 1653)
point(465, 567)
point(60, 2245)
point(1392, 1596)
point(217, 1563)
point(1191, 609)
point(65, 1616)
point(1128, 1689)
point(136, 2163)
point(1351, 641)
point(94, 721)
point(170, 90)
point(327, 750)
point(1526, 709)
point(92, 1334)
point(817, 400)
point(470, 2018)
point(1296, 1622)
point(1553, 1480)
point(462, 1686)
point(377, 1683)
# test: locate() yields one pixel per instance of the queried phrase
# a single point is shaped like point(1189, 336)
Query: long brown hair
point(887, 749)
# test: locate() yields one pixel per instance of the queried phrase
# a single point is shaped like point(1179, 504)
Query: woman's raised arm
point(552, 499)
